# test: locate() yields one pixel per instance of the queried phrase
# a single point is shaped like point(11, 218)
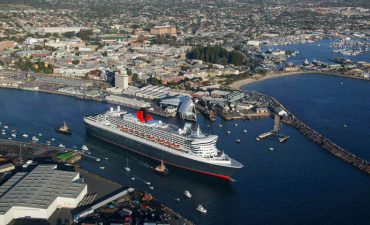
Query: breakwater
point(327, 144)
point(321, 140)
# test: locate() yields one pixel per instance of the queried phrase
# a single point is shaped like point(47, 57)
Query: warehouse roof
point(39, 188)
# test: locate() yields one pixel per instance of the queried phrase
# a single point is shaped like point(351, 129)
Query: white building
point(59, 30)
point(37, 194)
point(31, 41)
point(121, 79)
point(253, 43)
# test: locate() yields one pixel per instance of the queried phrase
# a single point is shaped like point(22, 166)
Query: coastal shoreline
point(237, 85)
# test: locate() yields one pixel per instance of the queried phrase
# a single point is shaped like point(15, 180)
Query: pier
point(208, 113)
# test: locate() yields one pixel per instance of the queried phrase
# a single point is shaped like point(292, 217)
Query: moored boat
point(63, 129)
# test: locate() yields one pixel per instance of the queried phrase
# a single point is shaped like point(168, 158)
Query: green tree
point(85, 35)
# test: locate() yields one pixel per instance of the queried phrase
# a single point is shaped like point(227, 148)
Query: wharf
point(209, 114)
point(28, 150)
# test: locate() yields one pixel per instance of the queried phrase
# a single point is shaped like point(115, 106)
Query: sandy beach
point(259, 77)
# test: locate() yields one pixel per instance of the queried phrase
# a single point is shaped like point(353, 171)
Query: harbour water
point(319, 50)
point(297, 183)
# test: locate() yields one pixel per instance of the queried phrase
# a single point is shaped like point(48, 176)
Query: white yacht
point(201, 209)
point(187, 194)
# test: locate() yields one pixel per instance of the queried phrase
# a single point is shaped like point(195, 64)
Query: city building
point(184, 104)
point(37, 194)
point(121, 79)
point(235, 96)
point(7, 44)
point(59, 30)
point(163, 30)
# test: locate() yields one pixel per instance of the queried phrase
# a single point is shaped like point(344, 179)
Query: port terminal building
point(184, 105)
point(37, 194)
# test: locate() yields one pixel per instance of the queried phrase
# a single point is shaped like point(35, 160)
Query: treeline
point(217, 54)
point(163, 39)
point(37, 67)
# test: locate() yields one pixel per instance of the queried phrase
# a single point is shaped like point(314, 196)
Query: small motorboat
point(228, 132)
point(25, 135)
point(85, 148)
point(238, 141)
point(282, 139)
point(102, 167)
point(236, 124)
point(132, 178)
point(220, 125)
point(244, 131)
point(40, 134)
point(201, 209)
point(161, 169)
point(61, 145)
point(187, 194)
point(345, 125)
point(271, 149)
point(127, 168)
point(151, 187)
point(147, 182)
point(34, 138)
point(6, 127)
point(63, 129)
point(14, 135)
point(53, 139)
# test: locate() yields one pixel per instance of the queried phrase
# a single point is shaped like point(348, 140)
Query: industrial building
point(184, 104)
point(235, 96)
point(37, 194)
point(163, 30)
point(150, 92)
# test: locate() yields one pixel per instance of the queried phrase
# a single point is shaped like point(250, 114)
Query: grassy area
point(65, 156)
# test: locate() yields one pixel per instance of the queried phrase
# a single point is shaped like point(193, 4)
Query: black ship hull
point(218, 171)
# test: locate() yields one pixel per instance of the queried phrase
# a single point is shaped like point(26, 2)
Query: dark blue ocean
point(297, 183)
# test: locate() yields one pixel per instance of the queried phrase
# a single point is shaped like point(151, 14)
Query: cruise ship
point(184, 148)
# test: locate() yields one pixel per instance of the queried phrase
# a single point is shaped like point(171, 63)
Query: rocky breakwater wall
point(327, 144)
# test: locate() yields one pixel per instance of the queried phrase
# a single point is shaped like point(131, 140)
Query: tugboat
point(64, 129)
point(161, 169)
